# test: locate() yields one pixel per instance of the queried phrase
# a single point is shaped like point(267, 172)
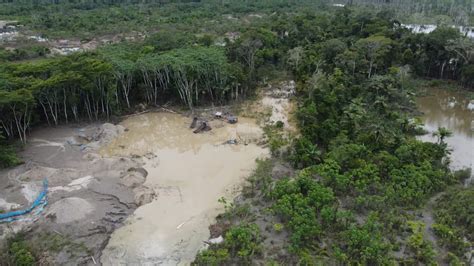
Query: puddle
point(189, 173)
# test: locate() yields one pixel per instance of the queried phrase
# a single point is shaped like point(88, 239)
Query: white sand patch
point(47, 143)
point(76, 184)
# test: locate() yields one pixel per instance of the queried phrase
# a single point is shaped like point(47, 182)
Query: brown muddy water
point(454, 111)
point(189, 173)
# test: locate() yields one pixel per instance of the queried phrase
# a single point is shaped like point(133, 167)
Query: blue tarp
point(41, 200)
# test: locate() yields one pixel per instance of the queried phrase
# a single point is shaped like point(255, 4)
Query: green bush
point(8, 156)
point(363, 244)
point(260, 180)
point(241, 244)
point(305, 153)
point(278, 227)
point(421, 248)
point(454, 216)
point(212, 257)
point(451, 238)
point(306, 207)
point(463, 174)
point(276, 139)
point(243, 241)
point(455, 208)
point(21, 254)
point(17, 252)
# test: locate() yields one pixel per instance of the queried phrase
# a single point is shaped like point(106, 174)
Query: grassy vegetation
point(18, 251)
point(8, 156)
point(455, 220)
point(27, 250)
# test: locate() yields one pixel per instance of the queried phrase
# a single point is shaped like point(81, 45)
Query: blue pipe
point(38, 201)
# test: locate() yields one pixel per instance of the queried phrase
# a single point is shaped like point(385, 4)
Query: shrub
point(241, 244)
point(305, 206)
point(363, 244)
point(17, 252)
point(212, 257)
point(422, 249)
point(278, 227)
point(8, 156)
point(21, 254)
point(243, 241)
point(304, 153)
point(463, 174)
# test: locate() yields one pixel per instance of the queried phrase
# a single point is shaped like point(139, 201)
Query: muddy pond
point(189, 173)
point(454, 111)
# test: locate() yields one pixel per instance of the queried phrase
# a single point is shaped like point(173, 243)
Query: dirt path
point(429, 221)
point(189, 172)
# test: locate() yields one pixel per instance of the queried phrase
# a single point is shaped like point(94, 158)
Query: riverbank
point(444, 105)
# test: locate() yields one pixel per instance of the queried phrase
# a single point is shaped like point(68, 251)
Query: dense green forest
point(87, 19)
point(362, 172)
point(428, 11)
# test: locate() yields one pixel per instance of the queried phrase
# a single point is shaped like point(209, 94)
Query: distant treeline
point(461, 11)
point(419, 5)
point(438, 6)
point(95, 2)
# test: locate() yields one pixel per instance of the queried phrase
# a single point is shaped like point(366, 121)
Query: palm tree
point(441, 134)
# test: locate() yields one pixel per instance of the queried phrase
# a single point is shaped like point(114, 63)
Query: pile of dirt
point(144, 195)
point(104, 135)
point(133, 179)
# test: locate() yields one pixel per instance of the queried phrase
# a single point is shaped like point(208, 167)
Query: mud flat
point(88, 196)
point(189, 173)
